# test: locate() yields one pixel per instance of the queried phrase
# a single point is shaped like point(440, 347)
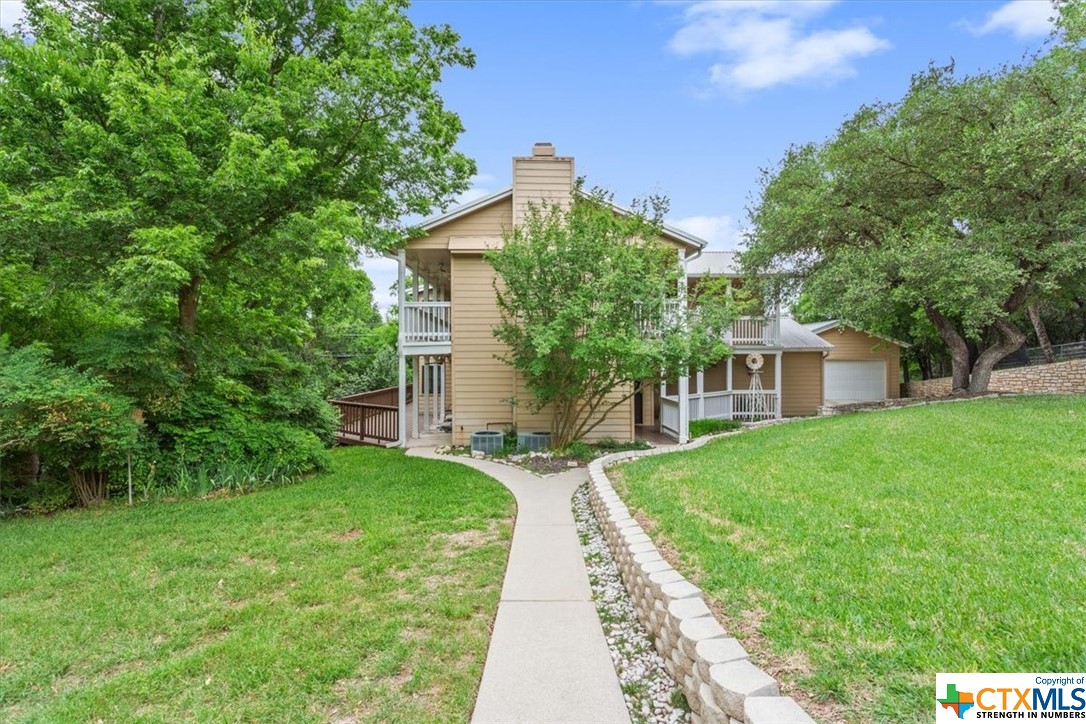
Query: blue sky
point(691, 99)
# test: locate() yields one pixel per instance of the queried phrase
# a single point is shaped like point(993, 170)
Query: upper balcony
point(755, 332)
point(762, 331)
point(426, 327)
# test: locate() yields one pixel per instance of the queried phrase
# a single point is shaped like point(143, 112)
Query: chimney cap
point(544, 149)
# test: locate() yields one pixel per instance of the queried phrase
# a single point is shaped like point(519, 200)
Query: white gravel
point(651, 694)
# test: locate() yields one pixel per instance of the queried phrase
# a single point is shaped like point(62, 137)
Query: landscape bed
point(857, 556)
point(366, 593)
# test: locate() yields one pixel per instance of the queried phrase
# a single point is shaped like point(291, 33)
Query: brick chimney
point(543, 176)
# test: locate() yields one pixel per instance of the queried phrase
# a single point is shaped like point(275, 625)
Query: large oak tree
point(185, 186)
point(966, 199)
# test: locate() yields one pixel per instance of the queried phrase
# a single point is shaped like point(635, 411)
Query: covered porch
point(730, 390)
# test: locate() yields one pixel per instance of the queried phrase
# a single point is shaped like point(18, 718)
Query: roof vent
point(543, 150)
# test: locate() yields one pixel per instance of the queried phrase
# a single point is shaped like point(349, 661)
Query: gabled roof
point(714, 264)
point(795, 336)
point(673, 231)
point(820, 327)
point(464, 209)
point(481, 203)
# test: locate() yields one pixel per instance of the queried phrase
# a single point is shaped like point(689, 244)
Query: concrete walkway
point(548, 659)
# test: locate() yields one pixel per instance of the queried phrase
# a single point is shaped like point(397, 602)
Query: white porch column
point(684, 409)
point(777, 382)
point(416, 396)
point(684, 380)
point(731, 398)
point(425, 401)
point(401, 433)
point(444, 365)
point(700, 411)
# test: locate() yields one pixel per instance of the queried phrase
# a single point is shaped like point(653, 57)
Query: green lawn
point(858, 556)
point(364, 594)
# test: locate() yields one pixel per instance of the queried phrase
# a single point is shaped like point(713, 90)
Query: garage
point(855, 380)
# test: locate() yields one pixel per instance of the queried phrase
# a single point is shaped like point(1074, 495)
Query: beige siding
point(801, 380)
point(481, 385)
point(852, 344)
point(741, 378)
point(540, 179)
point(490, 221)
point(617, 425)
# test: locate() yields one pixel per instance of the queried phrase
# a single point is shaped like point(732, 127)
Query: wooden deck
point(370, 418)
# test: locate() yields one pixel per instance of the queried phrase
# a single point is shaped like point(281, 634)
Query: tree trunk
point(923, 359)
point(1010, 339)
point(90, 486)
point(959, 350)
point(1034, 311)
point(188, 298)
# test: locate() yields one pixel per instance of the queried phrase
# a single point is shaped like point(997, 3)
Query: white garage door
point(855, 380)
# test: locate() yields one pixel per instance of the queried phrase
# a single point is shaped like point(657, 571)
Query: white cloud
point(763, 43)
point(1023, 18)
point(721, 232)
point(11, 12)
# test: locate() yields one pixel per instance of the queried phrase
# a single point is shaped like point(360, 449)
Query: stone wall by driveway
point(1056, 378)
point(721, 685)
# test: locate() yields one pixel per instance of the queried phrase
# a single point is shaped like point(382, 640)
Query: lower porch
point(746, 387)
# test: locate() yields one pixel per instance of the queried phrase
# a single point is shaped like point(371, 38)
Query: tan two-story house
point(447, 312)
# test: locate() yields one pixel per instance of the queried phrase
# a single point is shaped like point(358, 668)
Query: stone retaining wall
point(1059, 377)
point(722, 686)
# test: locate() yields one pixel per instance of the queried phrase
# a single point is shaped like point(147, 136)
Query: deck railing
point(370, 418)
point(426, 322)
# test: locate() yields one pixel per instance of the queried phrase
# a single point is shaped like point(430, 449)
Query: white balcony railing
point(745, 331)
point(756, 331)
point(426, 323)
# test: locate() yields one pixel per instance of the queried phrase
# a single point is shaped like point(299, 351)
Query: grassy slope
point(367, 592)
point(860, 555)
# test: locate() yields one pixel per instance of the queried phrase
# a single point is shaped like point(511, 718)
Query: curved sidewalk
point(548, 659)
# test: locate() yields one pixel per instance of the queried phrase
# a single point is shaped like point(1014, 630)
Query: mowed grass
point(858, 556)
point(364, 594)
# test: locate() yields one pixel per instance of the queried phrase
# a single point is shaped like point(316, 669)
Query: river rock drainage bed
point(651, 694)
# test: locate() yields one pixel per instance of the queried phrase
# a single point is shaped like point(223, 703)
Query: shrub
point(581, 451)
point(72, 418)
point(710, 427)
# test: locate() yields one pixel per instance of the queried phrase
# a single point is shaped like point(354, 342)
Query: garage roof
point(796, 337)
point(820, 327)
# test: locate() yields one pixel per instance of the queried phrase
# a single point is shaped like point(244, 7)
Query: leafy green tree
point(186, 187)
point(966, 199)
point(590, 302)
point(72, 418)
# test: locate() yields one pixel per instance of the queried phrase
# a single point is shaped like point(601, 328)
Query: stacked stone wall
point(1058, 378)
point(721, 684)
